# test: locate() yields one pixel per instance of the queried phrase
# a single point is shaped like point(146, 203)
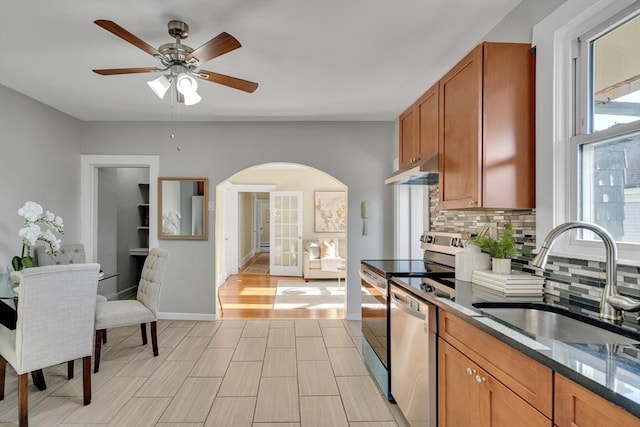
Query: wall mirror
point(183, 208)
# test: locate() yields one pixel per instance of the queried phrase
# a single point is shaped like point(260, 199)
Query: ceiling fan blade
point(113, 71)
point(234, 82)
point(125, 35)
point(219, 45)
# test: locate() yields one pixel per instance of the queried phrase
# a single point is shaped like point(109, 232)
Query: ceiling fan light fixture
point(192, 98)
point(160, 86)
point(186, 84)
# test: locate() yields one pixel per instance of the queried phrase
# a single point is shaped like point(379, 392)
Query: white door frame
point(229, 239)
point(89, 165)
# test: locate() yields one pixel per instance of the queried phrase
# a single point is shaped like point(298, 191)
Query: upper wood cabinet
point(419, 129)
point(486, 129)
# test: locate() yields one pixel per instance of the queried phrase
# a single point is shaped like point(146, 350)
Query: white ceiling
point(313, 59)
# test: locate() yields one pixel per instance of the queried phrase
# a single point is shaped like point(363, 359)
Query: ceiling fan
point(179, 61)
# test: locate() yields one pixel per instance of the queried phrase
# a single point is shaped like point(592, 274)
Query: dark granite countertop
point(610, 370)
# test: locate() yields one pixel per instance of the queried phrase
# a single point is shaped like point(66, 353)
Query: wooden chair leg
point(98, 344)
point(70, 366)
point(3, 369)
point(86, 379)
point(154, 337)
point(38, 379)
point(143, 330)
point(23, 401)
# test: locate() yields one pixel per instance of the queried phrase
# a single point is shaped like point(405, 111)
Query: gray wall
point(129, 237)
point(356, 153)
point(108, 228)
point(41, 148)
point(39, 161)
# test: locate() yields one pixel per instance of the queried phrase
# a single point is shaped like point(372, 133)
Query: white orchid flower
point(30, 234)
point(31, 211)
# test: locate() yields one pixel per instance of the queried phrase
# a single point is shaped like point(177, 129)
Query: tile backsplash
point(578, 280)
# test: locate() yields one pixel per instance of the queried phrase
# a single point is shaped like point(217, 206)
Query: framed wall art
point(330, 211)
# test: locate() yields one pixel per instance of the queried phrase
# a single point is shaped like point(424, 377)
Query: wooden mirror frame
point(200, 188)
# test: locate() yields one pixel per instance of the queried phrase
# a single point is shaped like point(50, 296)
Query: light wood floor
point(251, 296)
point(255, 373)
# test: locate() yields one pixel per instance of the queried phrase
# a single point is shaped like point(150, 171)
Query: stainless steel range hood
point(424, 173)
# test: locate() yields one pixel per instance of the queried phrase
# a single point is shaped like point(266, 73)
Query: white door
point(262, 225)
point(286, 233)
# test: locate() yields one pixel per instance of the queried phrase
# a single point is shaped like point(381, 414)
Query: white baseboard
point(187, 316)
point(245, 259)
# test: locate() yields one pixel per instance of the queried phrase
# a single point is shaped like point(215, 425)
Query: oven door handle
point(405, 308)
point(371, 281)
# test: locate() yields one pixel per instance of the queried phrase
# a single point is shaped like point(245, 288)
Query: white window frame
point(556, 149)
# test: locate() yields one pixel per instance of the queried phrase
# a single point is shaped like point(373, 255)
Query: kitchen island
point(602, 377)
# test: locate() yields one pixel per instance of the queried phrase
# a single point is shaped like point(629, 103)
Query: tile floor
point(254, 373)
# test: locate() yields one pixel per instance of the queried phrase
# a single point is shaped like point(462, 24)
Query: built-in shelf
point(143, 218)
point(139, 251)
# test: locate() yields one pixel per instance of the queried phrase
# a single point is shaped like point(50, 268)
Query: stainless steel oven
point(375, 327)
point(438, 261)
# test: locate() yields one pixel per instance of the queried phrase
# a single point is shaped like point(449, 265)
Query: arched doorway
point(238, 235)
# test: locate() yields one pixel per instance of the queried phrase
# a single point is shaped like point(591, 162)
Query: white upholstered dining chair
point(69, 253)
point(142, 310)
point(55, 324)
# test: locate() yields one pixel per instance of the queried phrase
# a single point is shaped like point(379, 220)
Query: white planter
point(15, 277)
point(469, 260)
point(501, 265)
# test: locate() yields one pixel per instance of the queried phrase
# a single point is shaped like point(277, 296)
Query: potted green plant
point(501, 250)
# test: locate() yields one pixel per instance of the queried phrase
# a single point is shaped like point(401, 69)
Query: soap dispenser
point(469, 260)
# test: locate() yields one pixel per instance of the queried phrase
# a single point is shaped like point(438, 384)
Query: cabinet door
point(408, 137)
point(576, 406)
point(508, 150)
point(427, 111)
point(458, 401)
point(500, 407)
point(460, 131)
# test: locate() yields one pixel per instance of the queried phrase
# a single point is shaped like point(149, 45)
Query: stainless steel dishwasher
point(413, 357)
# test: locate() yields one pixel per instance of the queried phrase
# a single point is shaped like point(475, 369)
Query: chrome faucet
point(612, 303)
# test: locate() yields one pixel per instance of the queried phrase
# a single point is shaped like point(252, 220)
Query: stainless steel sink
point(556, 323)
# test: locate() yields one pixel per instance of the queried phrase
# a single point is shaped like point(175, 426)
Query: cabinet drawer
point(523, 375)
point(575, 406)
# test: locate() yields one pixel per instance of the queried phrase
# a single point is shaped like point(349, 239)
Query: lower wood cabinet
point(528, 379)
point(470, 396)
point(484, 382)
point(575, 406)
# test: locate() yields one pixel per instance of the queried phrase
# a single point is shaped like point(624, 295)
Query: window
point(606, 139)
point(588, 125)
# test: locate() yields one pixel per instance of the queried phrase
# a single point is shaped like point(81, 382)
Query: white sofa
point(322, 256)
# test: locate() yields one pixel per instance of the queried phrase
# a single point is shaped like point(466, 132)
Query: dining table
point(9, 314)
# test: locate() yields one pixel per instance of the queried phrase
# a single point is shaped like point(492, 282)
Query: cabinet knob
point(471, 203)
point(471, 372)
point(480, 379)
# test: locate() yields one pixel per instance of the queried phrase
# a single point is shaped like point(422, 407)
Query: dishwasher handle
point(405, 308)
